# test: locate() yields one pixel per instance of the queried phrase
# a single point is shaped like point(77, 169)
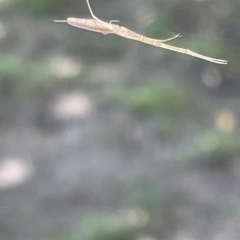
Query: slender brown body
point(89, 24)
point(97, 25)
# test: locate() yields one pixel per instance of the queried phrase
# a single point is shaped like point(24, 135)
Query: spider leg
point(91, 11)
point(114, 21)
point(176, 36)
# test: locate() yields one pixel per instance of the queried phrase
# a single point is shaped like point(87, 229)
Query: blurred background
point(104, 138)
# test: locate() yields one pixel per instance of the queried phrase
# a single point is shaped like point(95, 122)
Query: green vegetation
point(146, 195)
point(150, 100)
point(25, 78)
point(211, 149)
point(145, 202)
point(107, 228)
point(42, 7)
point(163, 103)
point(20, 77)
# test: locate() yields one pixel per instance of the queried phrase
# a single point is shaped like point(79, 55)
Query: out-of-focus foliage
point(41, 7)
point(145, 208)
point(168, 105)
point(108, 228)
point(211, 149)
point(21, 77)
point(146, 195)
point(152, 99)
point(164, 101)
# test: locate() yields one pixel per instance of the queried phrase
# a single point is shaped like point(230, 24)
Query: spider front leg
point(114, 21)
point(92, 14)
point(176, 36)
